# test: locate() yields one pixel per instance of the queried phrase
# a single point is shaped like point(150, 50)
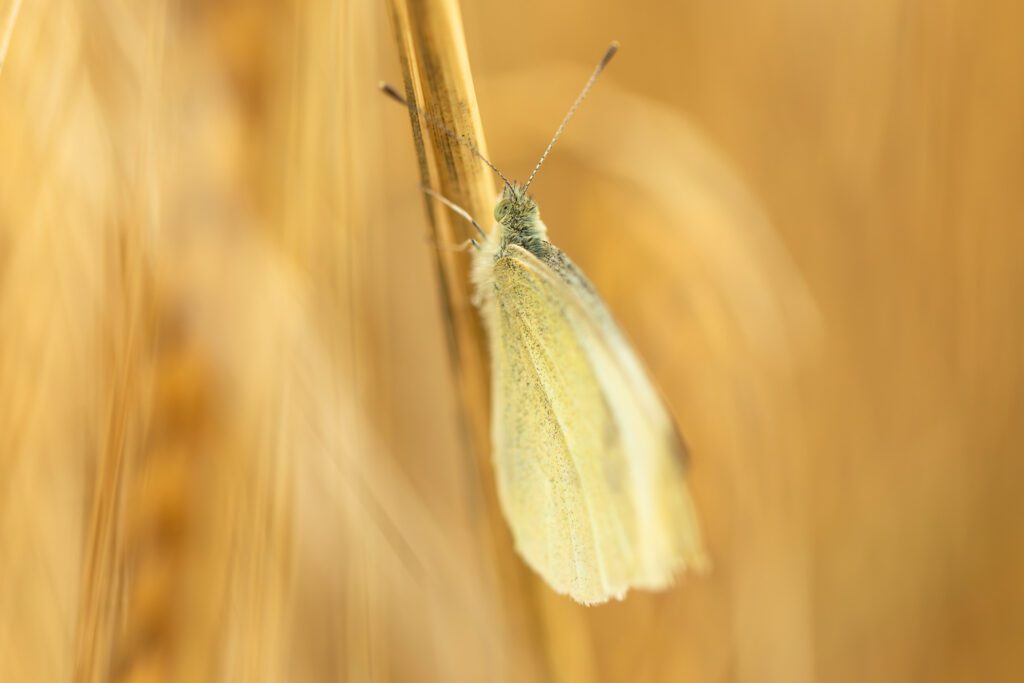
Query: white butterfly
point(590, 467)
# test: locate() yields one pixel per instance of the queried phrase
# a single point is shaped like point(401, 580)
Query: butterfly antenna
point(465, 140)
point(608, 54)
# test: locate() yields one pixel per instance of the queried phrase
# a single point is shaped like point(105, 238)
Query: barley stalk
point(437, 79)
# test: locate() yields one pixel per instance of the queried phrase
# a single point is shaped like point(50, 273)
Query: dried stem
point(435, 66)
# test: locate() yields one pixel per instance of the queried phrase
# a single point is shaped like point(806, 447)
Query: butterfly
point(591, 471)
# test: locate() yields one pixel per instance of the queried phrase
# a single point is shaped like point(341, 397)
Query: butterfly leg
point(456, 208)
point(461, 246)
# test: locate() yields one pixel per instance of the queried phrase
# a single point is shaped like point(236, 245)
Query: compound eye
point(500, 210)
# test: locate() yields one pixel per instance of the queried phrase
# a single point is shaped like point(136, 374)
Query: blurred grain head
point(194, 486)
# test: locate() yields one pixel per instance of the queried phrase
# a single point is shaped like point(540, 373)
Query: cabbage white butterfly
point(589, 465)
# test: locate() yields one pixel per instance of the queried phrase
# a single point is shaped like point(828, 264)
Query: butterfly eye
point(500, 210)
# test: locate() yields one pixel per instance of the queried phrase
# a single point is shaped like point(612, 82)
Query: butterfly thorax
point(519, 224)
point(519, 221)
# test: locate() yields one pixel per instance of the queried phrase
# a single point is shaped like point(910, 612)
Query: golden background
point(230, 445)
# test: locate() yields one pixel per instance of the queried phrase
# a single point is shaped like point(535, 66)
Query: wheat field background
point(230, 441)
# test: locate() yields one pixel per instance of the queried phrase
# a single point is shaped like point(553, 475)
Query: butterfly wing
point(589, 465)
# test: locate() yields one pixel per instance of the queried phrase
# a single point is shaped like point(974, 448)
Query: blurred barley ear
point(432, 51)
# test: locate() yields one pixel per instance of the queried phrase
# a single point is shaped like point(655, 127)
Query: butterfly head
point(516, 210)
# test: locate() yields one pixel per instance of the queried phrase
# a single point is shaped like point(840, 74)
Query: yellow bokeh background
point(230, 444)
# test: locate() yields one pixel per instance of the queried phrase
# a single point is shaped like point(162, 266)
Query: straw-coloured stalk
point(437, 78)
point(438, 81)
